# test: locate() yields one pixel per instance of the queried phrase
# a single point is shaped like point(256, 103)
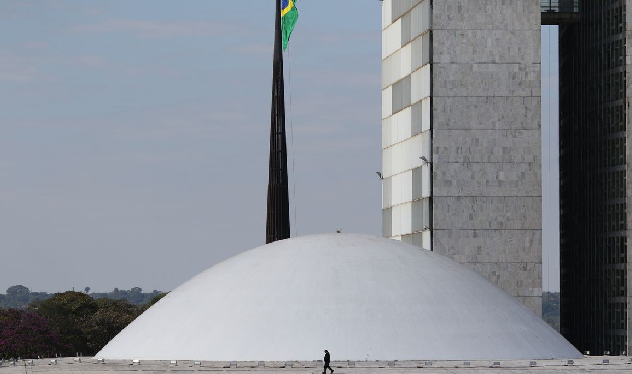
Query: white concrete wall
point(406, 117)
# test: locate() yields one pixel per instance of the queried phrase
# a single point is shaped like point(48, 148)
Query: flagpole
point(278, 212)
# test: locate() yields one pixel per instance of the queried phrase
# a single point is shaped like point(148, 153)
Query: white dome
point(360, 297)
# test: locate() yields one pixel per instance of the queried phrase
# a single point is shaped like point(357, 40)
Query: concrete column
point(486, 183)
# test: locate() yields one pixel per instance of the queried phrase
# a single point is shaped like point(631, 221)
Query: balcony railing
point(560, 6)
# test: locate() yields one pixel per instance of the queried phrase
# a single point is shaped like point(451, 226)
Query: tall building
point(595, 191)
point(461, 135)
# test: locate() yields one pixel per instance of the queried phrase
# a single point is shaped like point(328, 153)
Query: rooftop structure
point(361, 297)
point(560, 12)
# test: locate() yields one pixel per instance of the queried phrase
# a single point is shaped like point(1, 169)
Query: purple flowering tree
point(26, 334)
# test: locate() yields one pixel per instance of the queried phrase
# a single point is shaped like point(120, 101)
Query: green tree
point(18, 296)
point(136, 295)
point(111, 317)
point(153, 301)
point(84, 324)
point(17, 291)
point(86, 290)
point(69, 315)
point(551, 309)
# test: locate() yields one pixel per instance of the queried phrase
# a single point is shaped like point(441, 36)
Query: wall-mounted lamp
point(425, 160)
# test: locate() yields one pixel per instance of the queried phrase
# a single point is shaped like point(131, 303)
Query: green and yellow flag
point(289, 16)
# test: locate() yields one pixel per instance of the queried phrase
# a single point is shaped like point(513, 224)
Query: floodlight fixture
point(425, 160)
point(379, 174)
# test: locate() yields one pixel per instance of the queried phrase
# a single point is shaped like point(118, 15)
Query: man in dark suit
point(327, 359)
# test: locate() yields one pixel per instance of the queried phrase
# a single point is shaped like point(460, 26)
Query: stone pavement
point(88, 365)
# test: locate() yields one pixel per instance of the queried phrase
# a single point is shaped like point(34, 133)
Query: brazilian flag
point(289, 16)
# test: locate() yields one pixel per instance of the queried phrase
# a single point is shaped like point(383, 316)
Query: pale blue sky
point(134, 143)
point(550, 160)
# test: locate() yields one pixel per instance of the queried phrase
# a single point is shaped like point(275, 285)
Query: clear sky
point(550, 160)
point(134, 135)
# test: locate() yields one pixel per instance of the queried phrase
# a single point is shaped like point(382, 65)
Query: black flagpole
point(278, 219)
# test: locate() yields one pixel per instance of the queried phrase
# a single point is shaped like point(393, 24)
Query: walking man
point(327, 359)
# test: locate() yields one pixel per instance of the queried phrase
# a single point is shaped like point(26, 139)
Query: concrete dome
point(358, 296)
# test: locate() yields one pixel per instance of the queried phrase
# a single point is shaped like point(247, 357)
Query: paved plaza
point(88, 365)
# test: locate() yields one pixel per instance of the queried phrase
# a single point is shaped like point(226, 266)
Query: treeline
point(19, 297)
point(551, 309)
point(65, 324)
point(70, 323)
